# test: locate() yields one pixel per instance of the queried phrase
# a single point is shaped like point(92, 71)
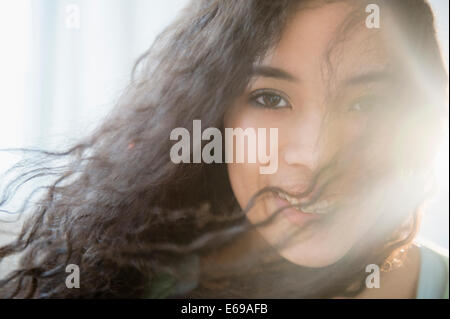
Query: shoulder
point(168, 285)
point(160, 287)
point(433, 281)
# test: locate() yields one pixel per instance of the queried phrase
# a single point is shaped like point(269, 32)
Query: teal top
point(165, 285)
point(434, 274)
point(433, 282)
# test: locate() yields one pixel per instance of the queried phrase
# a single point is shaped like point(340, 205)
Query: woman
point(358, 110)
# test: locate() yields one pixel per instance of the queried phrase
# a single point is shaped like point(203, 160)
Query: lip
point(298, 190)
point(294, 215)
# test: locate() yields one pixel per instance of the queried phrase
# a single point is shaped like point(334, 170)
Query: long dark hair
point(121, 210)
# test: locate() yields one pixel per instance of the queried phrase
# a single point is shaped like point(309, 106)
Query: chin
point(313, 255)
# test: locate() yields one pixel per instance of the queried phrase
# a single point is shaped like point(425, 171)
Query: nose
point(302, 141)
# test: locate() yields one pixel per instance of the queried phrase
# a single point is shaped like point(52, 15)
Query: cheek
point(245, 181)
point(245, 178)
point(244, 116)
point(349, 130)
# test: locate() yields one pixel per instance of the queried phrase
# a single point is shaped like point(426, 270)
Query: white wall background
point(57, 82)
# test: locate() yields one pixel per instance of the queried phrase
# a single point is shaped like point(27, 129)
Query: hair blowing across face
point(121, 210)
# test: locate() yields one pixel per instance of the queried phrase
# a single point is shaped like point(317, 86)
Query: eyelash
point(371, 100)
point(260, 94)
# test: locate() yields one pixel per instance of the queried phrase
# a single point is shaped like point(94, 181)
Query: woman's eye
point(363, 104)
point(269, 99)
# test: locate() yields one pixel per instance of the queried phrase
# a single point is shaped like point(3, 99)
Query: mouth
point(321, 207)
point(298, 212)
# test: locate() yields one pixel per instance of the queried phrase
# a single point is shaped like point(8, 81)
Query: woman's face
point(319, 100)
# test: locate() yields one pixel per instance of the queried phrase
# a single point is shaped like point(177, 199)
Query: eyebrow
point(359, 79)
point(271, 72)
point(368, 77)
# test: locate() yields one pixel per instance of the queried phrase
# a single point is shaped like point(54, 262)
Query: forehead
point(328, 36)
